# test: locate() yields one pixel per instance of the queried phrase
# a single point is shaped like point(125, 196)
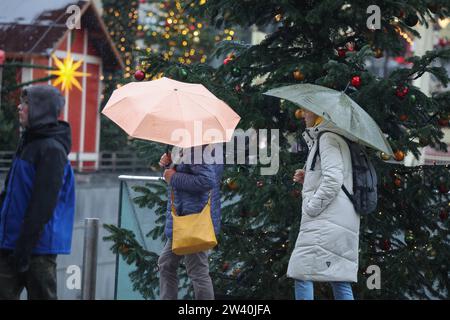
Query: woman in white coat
point(327, 244)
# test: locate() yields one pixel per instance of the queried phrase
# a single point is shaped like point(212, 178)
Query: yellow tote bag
point(194, 232)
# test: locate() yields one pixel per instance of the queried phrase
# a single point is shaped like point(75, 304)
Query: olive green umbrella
point(339, 109)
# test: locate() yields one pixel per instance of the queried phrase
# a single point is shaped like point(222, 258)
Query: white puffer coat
point(327, 244)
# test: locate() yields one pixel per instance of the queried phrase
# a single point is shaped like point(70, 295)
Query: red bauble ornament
point(260, 184)
point(356, 81)
point(443, 122)
point(443, 188)
point(386, 245)
point(142, 1)
point(2, 56)
point(442, 42)
point(225, 266)
point(443, 215)
point(139, 75)
point(403, 117)
point(350, 46)
point(229, 58)
point(341, 52)
point(401, 91)
point(238, 88)
point(398, 182)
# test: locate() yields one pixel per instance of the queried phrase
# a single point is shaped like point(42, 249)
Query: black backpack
point(365, 194)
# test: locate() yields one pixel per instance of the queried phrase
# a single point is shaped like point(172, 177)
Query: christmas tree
point(157, 27)
point(170, 31)
point(121, 20)
point(326, 43)
point(8, 111)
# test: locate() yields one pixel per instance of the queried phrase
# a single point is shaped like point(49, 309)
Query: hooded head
point(311, 119)
point(44, 105)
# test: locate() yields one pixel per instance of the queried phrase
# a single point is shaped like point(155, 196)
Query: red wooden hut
point(31, 31)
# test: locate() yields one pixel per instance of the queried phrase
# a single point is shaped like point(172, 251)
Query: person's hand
point(299, 176)
point(165, 160)
point(168, 173)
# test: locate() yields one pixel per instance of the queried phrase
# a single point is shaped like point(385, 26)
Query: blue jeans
point(304, 290)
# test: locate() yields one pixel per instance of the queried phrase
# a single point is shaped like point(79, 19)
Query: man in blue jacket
point(37, 204)
point(191, 184)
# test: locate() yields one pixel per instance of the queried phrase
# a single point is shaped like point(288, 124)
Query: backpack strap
point(317, 153)
point(348, 194)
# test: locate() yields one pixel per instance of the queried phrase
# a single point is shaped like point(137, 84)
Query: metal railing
point(107, 162)
point(5, 160)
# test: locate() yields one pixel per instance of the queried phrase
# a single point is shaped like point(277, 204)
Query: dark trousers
point(39, 280)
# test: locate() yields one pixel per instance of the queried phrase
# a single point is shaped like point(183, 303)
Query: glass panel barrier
point(140, 221)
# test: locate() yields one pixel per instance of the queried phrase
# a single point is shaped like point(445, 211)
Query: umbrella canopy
point(171, 112)
point(339, 109)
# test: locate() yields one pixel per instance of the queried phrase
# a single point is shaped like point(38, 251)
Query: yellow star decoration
point(67, 73)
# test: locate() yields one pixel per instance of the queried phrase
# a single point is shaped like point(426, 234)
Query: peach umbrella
point(172, 112)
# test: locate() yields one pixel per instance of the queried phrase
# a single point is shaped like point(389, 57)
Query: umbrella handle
point(170, 166)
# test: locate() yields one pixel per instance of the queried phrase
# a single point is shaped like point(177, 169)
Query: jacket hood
point(45, 103)
point(59, 131)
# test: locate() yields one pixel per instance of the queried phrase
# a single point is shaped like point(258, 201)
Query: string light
point(404, 35)
point(178, 30)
